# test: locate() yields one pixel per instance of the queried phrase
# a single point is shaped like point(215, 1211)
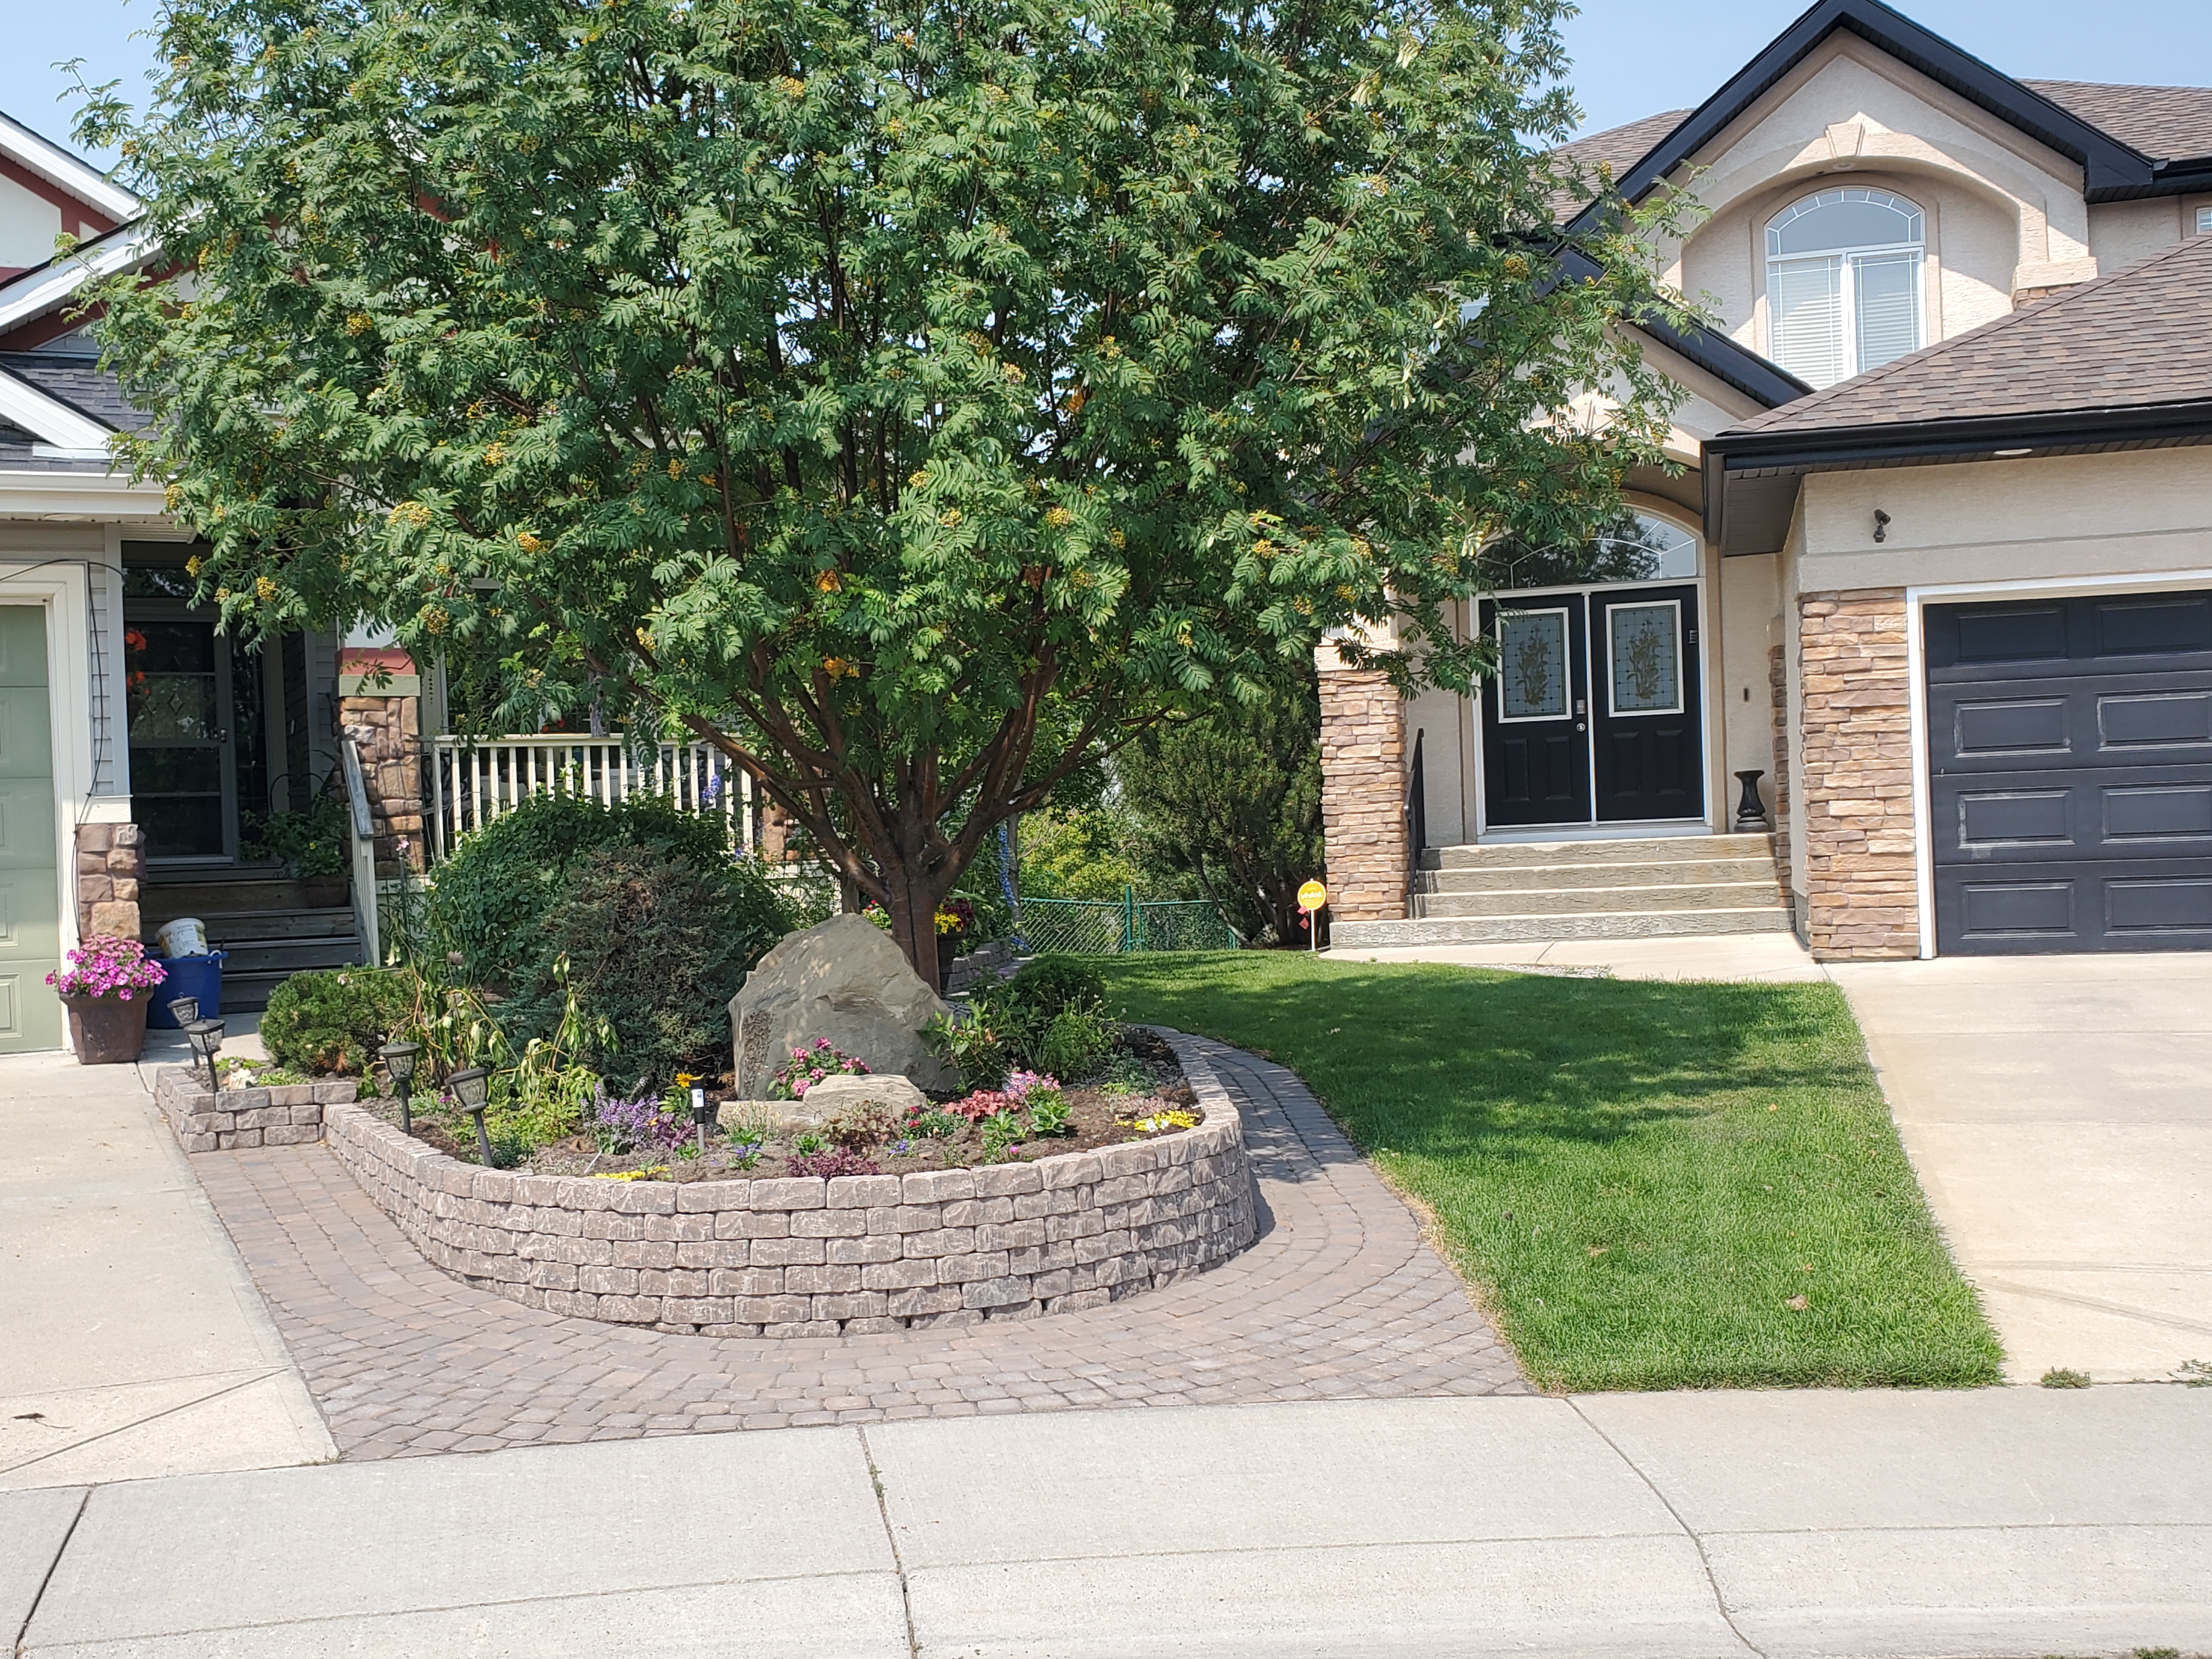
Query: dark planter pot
point(107, 1031)
point(948, 947)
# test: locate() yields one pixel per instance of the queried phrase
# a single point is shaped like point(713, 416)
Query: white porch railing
point(475, 780)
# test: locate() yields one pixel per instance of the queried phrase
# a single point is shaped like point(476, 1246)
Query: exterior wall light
point(472, 1088)
point(398, 1059)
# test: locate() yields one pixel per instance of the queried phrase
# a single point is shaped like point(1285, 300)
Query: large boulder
point(846, 981)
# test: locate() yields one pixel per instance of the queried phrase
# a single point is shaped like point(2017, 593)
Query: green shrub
point(335, 1020)
point(656, 947)
point(493, 896)
point(1074, 1044)
point(1051, 984)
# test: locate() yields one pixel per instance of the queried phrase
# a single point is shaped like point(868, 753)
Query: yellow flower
point(193, 565)
point(917, 480)
point(676, 469)
point(829, 581)
point(434, 619)
point(265, 590)
point(529, 543)
point(838, 669)
point(1059, 518)
point(949, 517)
point(685, 1079)
point(360, 323)
point(494, 454)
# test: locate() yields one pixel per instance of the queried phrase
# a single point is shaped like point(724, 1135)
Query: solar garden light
point(398, 1059)
point(472, 1088)
point(702, 1113)
point(206, 1037)
point(185, 1010)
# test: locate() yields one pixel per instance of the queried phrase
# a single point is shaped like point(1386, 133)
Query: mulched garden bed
point(1141, 1094)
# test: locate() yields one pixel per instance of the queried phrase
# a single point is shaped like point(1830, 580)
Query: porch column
point(1363, 792)
point(1861, 899)
point(111, 862)
point(379, 707)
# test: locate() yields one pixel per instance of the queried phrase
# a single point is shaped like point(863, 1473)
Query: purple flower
point(637, 1124)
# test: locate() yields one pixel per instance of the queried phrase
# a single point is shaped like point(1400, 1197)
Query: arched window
point(1843, 282)
point(1636, 547)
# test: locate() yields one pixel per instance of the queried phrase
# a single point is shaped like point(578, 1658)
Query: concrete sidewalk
point(136, 1343)
point(1772, 957)
point(1792, 1525)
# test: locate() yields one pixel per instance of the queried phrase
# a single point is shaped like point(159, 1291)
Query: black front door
point(1649, 754)
point(1535, 712)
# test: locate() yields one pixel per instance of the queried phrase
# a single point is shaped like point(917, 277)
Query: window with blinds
point(1843, 282)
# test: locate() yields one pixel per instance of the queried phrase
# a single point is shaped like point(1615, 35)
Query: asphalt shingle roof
point(80, 382)
point(2164, 123)
point(2137, 339)
point(1617, 148)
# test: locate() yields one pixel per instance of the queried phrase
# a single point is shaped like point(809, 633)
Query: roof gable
point(2111, 169)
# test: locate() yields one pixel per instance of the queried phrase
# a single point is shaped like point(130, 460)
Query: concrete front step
point(1664, 849)
point(1534, 900)
point(1526, 929)
point(1499, 877)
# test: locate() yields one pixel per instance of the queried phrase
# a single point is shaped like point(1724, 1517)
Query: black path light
point(185, 1010)
point(472, 1088)
point(701, 1115)
point(398, 1059)
point(206, 1037)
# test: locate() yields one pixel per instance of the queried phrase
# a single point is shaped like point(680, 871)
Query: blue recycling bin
point(197, 976)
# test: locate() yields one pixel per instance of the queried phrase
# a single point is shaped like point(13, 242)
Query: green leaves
point(852, 382)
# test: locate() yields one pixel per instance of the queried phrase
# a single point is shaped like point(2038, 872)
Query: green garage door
point(30, 930)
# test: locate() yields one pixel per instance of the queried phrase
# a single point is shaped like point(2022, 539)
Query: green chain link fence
point(1103, 928)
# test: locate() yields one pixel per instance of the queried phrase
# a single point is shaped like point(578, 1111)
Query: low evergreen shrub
point(334, 1020)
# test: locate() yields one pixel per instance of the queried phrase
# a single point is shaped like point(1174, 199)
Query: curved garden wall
point(814, 1257)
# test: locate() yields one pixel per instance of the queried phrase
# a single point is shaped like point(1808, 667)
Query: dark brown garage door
point(2069, 743)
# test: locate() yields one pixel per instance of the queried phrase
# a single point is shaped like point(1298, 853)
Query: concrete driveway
point(2059, 1112)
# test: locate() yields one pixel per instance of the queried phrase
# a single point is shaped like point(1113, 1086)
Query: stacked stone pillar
point(111, 862)
point(1363, 794)
point(1855, 672)
point(381, 712)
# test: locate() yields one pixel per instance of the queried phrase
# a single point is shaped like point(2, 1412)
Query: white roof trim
point(64, 171)
point(48, 419)
point(108, 496)
point(33, 296)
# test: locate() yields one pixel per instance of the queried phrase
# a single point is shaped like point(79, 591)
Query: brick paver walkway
point(1341, 1297)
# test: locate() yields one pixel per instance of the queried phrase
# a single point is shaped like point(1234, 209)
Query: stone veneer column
point(111, 861)
point(1777, 688)
point(386, 730)
point(1861, 897)
point(1363, 794)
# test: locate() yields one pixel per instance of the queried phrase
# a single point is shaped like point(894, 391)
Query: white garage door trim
point(1923, 846)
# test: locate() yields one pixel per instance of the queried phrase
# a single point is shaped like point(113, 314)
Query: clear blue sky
point(1632, 57)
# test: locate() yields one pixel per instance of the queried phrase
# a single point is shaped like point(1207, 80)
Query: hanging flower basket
point(107, 989)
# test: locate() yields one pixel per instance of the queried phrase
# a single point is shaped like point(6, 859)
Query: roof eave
point(1734, 458)
point(2110, 168)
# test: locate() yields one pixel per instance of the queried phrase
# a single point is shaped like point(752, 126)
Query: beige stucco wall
point(2045, 519)
point(1750, 600)
point(2122, 233)
point(2003, 213)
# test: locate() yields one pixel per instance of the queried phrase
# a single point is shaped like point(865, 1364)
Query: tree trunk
point(914, 918)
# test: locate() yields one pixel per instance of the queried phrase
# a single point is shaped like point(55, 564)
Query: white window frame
point(1613, 710)
point(1850, 259)
point(1565, 614)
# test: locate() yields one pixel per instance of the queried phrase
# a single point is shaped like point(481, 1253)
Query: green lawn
point(1639, 1178)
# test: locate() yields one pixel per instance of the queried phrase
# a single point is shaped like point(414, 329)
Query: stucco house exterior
point(1937, 565)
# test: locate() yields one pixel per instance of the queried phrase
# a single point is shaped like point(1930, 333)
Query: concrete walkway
point(134, 1342)
point(1789, 1525)
point(2058, 1110)
point(1772, 957)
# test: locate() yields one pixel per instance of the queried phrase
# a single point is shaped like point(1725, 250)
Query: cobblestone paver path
point(1341, 1297)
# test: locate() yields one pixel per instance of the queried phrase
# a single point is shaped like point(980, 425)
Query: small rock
point(834, 1095)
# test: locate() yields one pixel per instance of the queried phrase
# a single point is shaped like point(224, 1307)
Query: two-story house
point(1937, 565)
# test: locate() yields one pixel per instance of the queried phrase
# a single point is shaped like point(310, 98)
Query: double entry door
point(1593, 715)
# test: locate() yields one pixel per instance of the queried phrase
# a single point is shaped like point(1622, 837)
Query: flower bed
point(809, 1255)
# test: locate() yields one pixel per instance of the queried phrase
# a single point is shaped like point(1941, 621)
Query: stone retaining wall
point(206, 1121)
point(814, 1257)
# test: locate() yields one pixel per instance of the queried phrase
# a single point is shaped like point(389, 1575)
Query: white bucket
point(185, 937)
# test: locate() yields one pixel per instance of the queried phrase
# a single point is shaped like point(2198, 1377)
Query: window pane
point(1888, 307)
point(1835, 226)
point(1532, 665)
point(1807, 299)
point(1647, 658)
